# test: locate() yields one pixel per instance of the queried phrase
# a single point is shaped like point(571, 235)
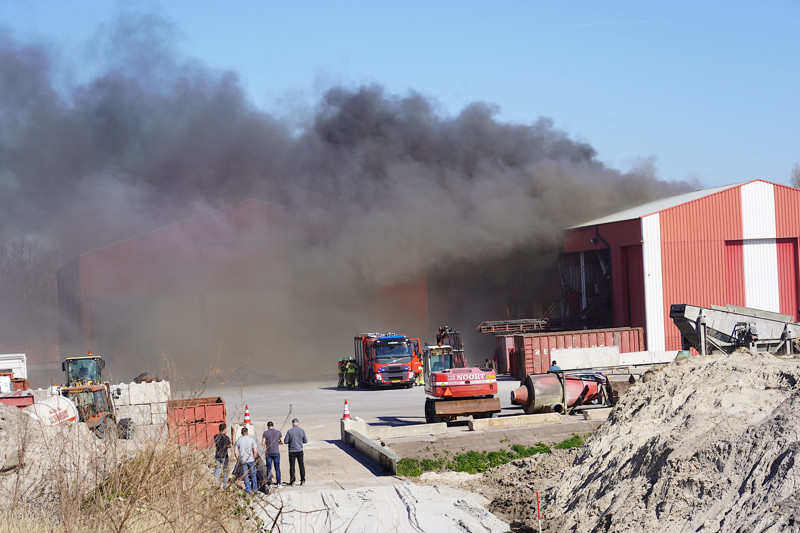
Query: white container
point(16, 362)
point(53, 411)
point(5, 384)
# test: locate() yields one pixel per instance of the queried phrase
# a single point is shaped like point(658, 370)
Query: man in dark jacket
point(295, 438)
point(221, 442)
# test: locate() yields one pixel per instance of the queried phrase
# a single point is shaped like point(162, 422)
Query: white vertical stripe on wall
point(758, 210)
point(653, 282)
point(761, 289)
point(760, 252)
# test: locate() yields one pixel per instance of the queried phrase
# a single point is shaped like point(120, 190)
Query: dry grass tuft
point(70, 481)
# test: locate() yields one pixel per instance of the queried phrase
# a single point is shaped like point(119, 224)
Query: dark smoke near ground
point(395, 186)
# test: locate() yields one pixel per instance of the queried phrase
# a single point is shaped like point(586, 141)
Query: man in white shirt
point(246, 452)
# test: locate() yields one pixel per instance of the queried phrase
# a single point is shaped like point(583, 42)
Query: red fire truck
point(385, 360)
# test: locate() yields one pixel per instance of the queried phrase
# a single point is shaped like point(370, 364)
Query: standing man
point(351, 371)
point(270, 440)
point(295, 438)
point(246, 452)
point(342, 366)
point(221, 442)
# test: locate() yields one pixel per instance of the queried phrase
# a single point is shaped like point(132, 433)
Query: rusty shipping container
point(195, 421)
point(532, 350)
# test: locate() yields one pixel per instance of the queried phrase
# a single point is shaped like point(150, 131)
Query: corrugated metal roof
point(655, 206)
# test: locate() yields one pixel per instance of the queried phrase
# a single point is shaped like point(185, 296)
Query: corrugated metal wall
point(693, 239)
point(787, 228)
point(787, 276)
point(729, 247)
point(633, 302)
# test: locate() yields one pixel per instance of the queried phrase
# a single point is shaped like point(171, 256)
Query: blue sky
point(709, 90)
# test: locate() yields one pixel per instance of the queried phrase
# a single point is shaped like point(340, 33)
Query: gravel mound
point(703, 444)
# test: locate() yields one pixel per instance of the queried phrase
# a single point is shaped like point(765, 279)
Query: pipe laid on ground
point(541, 393)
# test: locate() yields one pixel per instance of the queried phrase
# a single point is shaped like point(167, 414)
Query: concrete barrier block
point(352, 424)
point(597, 414)
point(385, 432)
point(40, 395)
point(514, 421)
point(382, 455)
point(158, 419)
point(159, 408)
point(235, 431)
point(119, 393)
point(140, 414)
point(146, 393)
point(151, 432)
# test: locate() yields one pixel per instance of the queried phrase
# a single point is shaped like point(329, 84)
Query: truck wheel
point(372, 384)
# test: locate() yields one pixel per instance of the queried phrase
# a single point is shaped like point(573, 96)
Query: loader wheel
point(125, 428)
point(106, 429)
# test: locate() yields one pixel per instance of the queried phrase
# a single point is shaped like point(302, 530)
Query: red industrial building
point(735, 244)
point(214, 289)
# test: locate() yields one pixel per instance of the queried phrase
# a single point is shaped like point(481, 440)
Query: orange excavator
point(454, 389)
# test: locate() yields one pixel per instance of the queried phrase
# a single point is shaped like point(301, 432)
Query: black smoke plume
point(396, 186)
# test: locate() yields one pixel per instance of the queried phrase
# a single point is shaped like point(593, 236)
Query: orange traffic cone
point(346, 415)
point(246, 415)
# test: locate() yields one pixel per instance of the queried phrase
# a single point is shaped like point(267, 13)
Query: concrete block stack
point(144, 403)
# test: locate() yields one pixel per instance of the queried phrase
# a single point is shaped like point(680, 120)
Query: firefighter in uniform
point(419, 379)
point(342, 365)
point(351, 371)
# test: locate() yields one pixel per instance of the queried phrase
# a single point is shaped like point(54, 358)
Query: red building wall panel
point(787, 226)
point(404, 304)
point(189, 256)
point(615, 236)
point(734, 273)
point(787, 276)
point(624, 233)
point(631, 302)
point(693, 258)
point(787, 212)
point(504, 346)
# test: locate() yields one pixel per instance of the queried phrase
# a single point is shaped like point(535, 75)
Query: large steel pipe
point(542, 393)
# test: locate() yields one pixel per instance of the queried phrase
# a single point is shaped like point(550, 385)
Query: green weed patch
point(474, 462)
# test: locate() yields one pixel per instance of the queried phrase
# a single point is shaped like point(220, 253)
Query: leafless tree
point(794, 180)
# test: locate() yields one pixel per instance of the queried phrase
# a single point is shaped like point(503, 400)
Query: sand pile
point(704, 444)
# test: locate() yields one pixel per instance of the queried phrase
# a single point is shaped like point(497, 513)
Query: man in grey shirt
point(270, 440)
point(295, 438)
point(246, 452)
